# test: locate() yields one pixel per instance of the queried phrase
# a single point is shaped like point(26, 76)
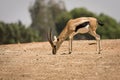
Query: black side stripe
point(82, 25)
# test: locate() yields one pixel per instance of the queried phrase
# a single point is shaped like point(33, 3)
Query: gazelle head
point(53, 43)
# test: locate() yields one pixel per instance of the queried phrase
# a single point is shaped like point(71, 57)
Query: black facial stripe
point(81, 25)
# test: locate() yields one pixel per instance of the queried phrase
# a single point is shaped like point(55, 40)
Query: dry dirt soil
point(34, 61)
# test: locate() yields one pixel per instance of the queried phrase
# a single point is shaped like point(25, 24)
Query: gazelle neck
point(63, 35)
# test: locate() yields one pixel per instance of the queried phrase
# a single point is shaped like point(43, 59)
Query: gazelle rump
point(74, 26)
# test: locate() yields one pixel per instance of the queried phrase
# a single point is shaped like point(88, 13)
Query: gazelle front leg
point(97, 37)
point(70, 44)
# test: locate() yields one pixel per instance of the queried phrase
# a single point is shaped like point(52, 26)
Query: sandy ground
point(34, 61)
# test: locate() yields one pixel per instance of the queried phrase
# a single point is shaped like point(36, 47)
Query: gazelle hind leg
point(97, 37)
point(98, 46)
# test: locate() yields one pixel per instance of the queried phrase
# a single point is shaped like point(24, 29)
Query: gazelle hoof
point(99, 52)
point(70, 52)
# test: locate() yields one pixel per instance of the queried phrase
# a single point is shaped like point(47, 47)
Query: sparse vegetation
point(17, 33)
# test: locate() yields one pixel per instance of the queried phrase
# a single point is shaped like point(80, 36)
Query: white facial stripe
point(55, 39)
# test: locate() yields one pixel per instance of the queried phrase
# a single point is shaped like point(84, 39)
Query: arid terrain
point(34, 61)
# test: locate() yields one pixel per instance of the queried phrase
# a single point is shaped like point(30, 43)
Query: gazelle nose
point(54, 50)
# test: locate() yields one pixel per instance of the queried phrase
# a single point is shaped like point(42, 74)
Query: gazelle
point(73, 27)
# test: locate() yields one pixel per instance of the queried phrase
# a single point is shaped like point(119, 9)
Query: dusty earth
point(34, 61)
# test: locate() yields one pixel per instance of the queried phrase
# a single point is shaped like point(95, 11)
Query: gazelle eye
point(54, 46)
point(57, 39)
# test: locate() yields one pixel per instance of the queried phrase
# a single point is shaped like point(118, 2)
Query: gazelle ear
point(55, 38)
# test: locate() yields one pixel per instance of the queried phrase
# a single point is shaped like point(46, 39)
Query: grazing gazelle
point(73, 27)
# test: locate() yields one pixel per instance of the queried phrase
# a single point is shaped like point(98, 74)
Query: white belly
point(84, 29)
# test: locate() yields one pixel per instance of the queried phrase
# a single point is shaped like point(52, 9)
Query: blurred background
point(24, 21)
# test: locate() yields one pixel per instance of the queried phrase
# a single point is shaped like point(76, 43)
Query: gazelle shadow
point(64, 54)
